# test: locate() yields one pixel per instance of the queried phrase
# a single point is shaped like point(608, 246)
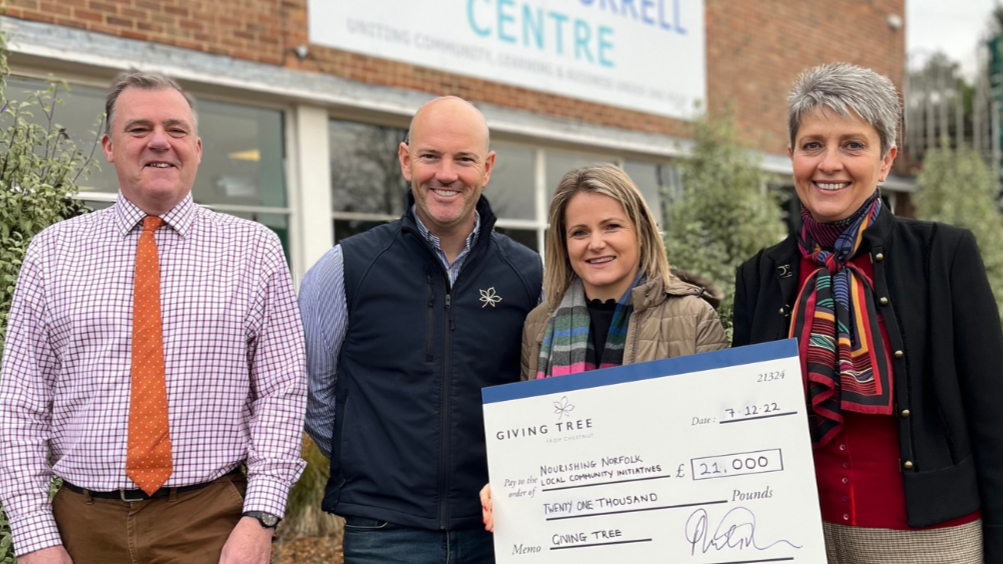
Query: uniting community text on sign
point(645, 55)
point(704, 459)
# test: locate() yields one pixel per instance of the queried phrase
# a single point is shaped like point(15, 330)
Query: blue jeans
point(368, 541)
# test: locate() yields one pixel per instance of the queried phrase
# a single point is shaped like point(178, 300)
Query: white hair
point(843, 88)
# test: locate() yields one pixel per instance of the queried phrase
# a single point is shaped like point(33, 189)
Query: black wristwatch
point(267, 520)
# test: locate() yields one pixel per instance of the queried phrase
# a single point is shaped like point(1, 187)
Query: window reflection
point(80, 116)
point(242, 146)
point(651, 178)
point(526, 237)
point(513, 182)
point(365, 172)
point(345, 228)
point(560, 163)
point(242, 156)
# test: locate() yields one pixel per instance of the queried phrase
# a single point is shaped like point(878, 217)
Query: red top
point(858, 473)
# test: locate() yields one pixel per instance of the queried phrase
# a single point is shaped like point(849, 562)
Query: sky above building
point(954, 27)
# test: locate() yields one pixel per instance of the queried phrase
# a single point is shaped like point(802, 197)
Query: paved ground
point(308, 550)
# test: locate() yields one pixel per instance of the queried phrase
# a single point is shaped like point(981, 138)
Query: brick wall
point(755, 49)
point(248, 29)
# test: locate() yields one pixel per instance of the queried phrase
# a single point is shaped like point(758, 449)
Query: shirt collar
point(180, 218)
point(471, 239)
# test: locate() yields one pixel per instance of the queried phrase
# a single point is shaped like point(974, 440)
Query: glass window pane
point(243, 156)
point(242, 146)
point(649, 177)
point(365, 173)
point(80, 114)
point(559, 163)
point(525, 236)
point(345, 228)
point(512, 186)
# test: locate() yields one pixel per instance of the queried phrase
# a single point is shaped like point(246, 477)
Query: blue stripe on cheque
point(644, 371)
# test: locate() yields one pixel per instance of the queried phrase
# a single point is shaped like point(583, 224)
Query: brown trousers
point(185, 528)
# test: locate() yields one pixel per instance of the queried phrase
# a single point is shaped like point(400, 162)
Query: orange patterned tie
point(148, 461)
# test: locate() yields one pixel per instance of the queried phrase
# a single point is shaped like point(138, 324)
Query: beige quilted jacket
point(669, 320)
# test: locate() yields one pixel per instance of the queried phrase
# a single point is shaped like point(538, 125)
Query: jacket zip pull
point(449, 305)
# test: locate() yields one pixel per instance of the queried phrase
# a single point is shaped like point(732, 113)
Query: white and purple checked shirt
point(233, 349)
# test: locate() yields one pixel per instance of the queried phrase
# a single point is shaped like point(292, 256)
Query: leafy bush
point(304, 517)
point(39, 168)
point(958, 188)
point(724, 214)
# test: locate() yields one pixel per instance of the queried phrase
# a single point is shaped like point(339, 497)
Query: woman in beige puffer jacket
point(604, 257)
point(669, 320)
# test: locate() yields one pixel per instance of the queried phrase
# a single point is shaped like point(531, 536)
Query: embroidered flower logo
point(489, 297)
point(563, 408)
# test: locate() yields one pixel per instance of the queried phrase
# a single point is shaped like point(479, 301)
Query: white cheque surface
point(703, 459)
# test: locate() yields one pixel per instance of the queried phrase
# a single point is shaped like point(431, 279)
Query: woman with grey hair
point(899, 337)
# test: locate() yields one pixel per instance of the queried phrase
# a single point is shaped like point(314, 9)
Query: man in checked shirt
point(154, 348)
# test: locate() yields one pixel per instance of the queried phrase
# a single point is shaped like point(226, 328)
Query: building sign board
point(644, 55)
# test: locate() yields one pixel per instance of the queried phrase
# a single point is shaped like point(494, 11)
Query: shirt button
point(846, 517)
point(842, 447)
point(879, 257)
point(899, 354)
point(883, 301)
point(846, 465)
point(781, 311)
point(847, 480)
point(907, 465)
point(905, 413)
point(846, 498)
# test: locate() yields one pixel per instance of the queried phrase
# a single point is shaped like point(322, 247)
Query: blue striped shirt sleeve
point(325, 322)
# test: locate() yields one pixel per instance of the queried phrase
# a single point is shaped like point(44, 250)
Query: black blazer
point(944, 330)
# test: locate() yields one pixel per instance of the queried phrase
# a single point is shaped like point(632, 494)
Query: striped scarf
point(567, 348)
point(836, 323)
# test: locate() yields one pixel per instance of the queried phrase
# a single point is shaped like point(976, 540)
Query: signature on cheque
point(736, 530)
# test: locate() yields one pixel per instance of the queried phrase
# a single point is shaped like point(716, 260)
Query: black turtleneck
point(601, 317)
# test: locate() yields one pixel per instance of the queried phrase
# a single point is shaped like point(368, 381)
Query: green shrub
point(724, 214)
point(39, 168)
point(304, 517)
point(958, 188)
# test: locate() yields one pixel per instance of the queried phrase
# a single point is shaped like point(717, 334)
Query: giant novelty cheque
point(704, 459)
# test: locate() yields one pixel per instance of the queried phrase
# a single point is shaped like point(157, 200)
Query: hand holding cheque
point(702, 459)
